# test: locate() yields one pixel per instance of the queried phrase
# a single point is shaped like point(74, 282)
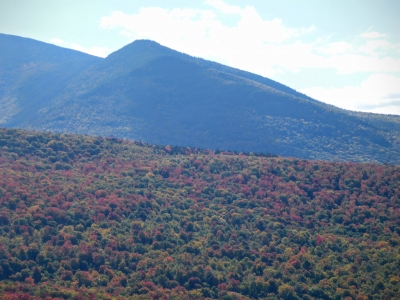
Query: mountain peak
point(138, 47)
point(149, 92)
point(146, 42)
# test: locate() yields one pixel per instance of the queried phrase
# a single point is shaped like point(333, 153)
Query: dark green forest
point(85, 217)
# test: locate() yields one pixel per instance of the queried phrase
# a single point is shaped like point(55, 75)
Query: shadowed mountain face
point(33, 73)
point(148, 92)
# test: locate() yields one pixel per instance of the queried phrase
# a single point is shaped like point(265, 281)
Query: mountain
point(148, 92)
point(85, 217)
point(33, 73)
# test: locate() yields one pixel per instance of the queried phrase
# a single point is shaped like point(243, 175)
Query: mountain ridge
point(146, 91)
point(35, 72)
point(215, 65)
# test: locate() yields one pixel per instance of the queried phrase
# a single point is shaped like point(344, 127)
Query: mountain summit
point(149, 92)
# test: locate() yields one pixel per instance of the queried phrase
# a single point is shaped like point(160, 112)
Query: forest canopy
point(90, 217)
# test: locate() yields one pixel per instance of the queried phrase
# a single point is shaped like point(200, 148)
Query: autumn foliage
point(94, 218)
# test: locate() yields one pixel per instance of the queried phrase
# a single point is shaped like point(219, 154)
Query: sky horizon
point(343, 53)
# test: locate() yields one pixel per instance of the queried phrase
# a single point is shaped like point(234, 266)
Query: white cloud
point(380, 93)
point(336, 48)
point(225, 8)
point(252, 44)
point(250, 22)
point(373, 35)
point(57, 41)
point(353, 63)
point(371, 47)
point(261, 46)
point(96, 51)
point(178, 25)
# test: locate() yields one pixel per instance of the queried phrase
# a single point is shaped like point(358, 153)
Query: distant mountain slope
point(32, 73)
point(148, 92)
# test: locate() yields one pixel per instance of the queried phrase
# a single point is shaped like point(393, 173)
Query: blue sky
point(346, 53)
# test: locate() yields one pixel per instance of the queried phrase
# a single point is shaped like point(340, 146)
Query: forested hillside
point(148, 92)
point(86, 217)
